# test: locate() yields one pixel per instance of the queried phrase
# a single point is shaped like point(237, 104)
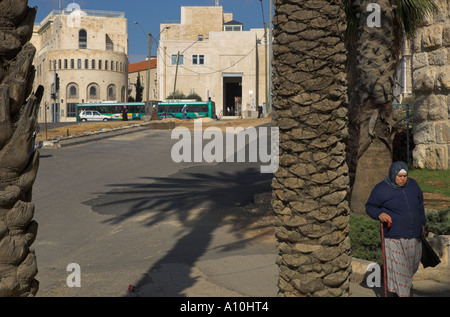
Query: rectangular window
point(71, 109)
point(198, 59)
point(229, 28)
point(65, 63)
point(93, 64)
point(180, 59)
point(86, 64)
point(100, 64)
point(72, 63)
point(59, 64)
point(106, 65)
point(79, 64)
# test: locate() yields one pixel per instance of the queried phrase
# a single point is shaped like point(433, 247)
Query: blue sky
point(150, 13)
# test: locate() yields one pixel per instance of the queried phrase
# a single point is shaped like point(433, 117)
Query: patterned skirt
point(402, 262)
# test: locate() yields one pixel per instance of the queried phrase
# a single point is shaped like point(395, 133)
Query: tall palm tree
point(373, 59)
point(18, 162)
point(311, 184)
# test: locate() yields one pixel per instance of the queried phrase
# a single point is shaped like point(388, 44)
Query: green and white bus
point(194, 109)
point(114, 109)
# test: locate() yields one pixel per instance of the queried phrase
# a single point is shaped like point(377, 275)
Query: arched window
point(72, 91)
point(111, 92)
point(82, 39)
point(93, 92)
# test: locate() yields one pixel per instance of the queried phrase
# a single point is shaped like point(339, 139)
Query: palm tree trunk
point(371, 123)
point(312, 182)
point(18, 163)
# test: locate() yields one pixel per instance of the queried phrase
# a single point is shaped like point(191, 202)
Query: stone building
point(217, 59)
point(140, 69)
point(431, 85)
point(88, 51)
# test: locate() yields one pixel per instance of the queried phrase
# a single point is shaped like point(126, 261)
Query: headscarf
point(394, 169)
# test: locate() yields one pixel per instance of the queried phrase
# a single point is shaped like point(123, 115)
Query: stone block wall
point(431, 86)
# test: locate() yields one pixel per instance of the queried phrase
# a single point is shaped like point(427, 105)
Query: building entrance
point(232, 95)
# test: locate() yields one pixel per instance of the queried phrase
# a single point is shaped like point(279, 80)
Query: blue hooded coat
point(403, 204)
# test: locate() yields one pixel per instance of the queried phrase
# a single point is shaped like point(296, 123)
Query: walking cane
point(384, 257)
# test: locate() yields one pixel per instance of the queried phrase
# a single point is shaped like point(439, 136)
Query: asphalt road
point(126, 214)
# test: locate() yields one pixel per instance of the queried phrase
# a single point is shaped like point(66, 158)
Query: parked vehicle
point(90, 115)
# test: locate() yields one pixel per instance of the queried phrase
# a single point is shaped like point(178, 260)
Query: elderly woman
point(397, 201)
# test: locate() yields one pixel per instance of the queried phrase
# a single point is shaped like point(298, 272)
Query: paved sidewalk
point(247, 275)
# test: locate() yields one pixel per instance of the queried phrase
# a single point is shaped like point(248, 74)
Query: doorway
point(232, 95)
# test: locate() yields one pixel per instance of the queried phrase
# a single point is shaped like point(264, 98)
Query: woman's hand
point(384, 217)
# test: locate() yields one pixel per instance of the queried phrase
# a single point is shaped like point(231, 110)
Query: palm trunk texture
point(311, 185)
point(18, 163)
point(371, 95)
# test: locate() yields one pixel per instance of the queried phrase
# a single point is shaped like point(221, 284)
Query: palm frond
point(412, 13)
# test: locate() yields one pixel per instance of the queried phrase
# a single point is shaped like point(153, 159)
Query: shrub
point(194, 95)
point(365, 238)
point(438, 221)
point(176, 95)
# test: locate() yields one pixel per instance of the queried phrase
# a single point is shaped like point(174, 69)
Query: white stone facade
point(219, 59)
point(88, 50)
point(431, 84)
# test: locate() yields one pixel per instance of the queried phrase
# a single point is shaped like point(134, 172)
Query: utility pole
point(265, 55)
point(199, 39)
point(147, 89)
point(147, 84)
point(176, 73)
point(147, 93)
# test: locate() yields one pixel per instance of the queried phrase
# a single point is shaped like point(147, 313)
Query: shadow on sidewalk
point(201, 199)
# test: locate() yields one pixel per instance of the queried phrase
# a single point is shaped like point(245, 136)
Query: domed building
point(84, 54)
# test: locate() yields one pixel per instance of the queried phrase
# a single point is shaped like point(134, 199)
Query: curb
point(103, 134)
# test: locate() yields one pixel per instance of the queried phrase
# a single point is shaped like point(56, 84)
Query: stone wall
point(431, 85)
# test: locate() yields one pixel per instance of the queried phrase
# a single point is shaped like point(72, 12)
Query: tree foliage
point(139, 89)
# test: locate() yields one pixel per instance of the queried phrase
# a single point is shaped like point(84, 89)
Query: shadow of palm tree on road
point(213, 190)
